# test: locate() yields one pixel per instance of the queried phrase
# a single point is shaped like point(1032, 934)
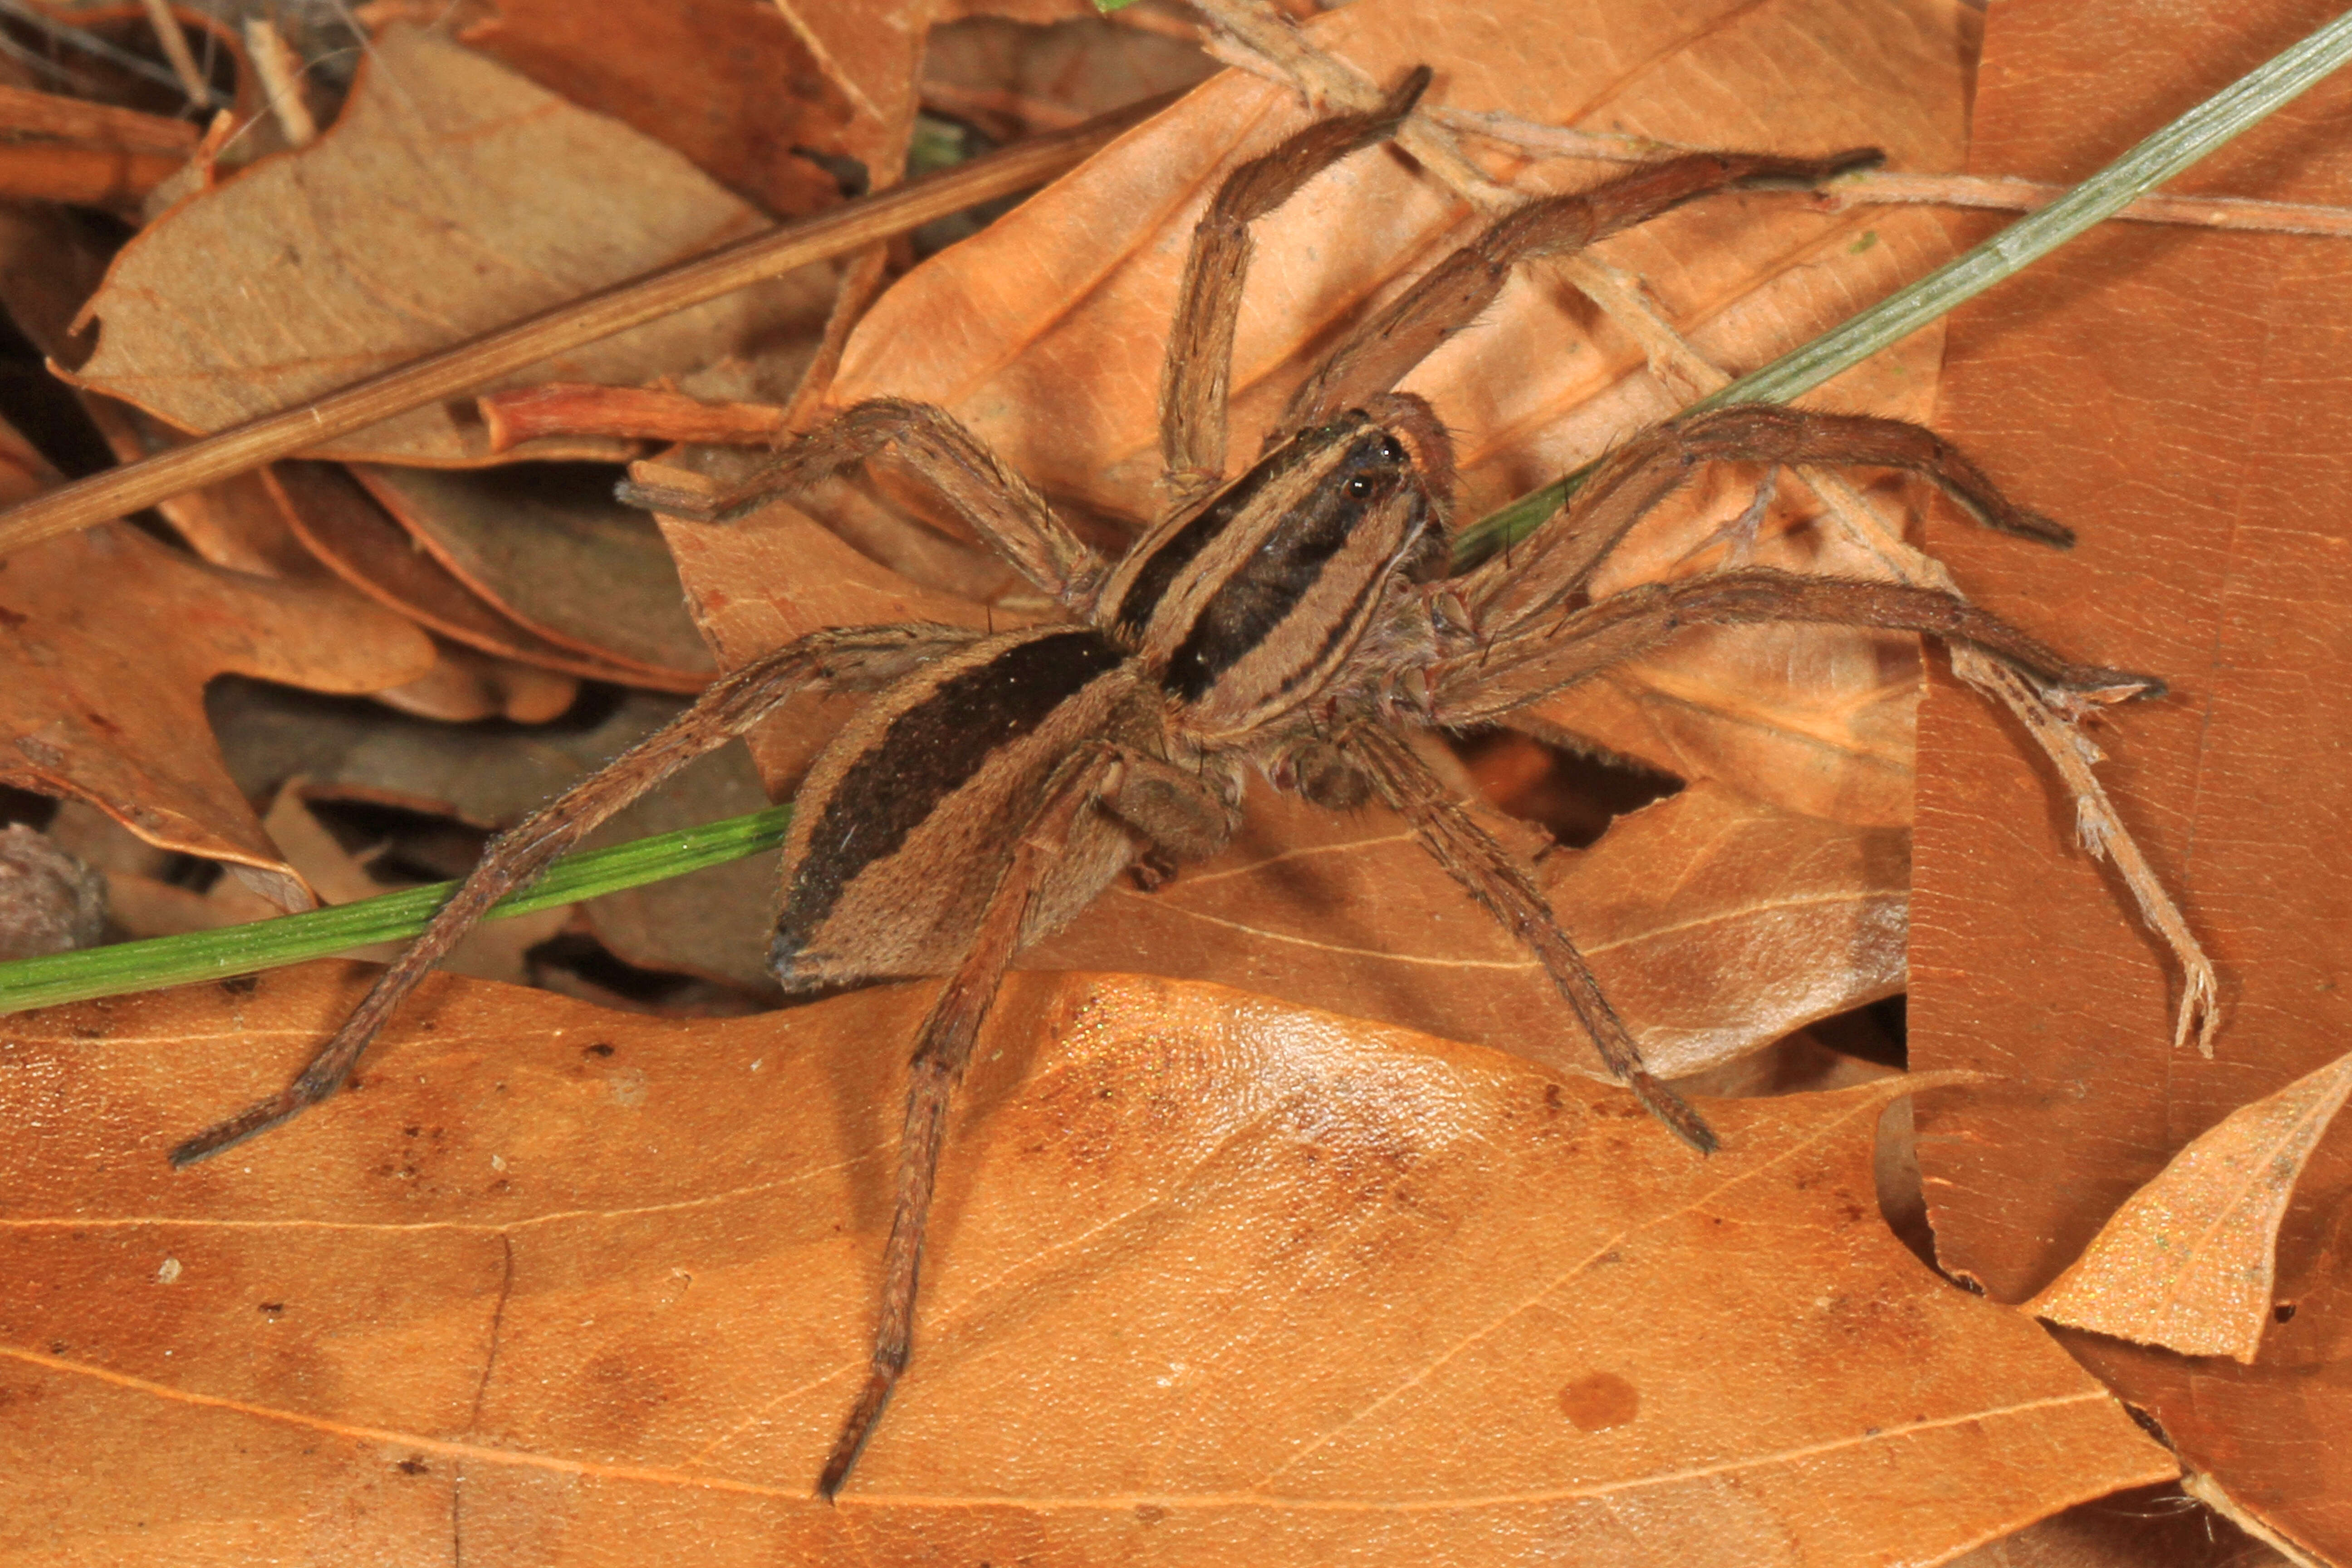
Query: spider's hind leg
point(845, 658)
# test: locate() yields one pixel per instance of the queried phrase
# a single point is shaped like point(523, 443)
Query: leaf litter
point(1368, 1289)
point(1768, 895)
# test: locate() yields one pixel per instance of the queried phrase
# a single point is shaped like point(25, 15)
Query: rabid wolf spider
point(1293, 621)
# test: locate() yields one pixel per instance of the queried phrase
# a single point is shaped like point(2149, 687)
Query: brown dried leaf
point(1328, 1291)
point(1045, 331)
point(551, 549)
point(451, 196)
point(100, 707)
point(729, 83)
point(339, 524)
point(2183, 398)
point(1716, 924)
point(2189, 1263)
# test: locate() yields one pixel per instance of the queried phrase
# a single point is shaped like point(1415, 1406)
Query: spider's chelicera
point(1293, 621)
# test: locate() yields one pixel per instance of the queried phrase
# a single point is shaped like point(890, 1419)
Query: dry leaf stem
point(455, 371)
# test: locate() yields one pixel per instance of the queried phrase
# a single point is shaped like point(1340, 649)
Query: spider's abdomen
point(899, 832)
point(1246, 608)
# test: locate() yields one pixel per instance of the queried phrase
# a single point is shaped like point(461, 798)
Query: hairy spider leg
point(844, 659)
point(1195, 379)
point(1536, 661)
point(1503, 887)
point(1555, 562)
point(1454, 293)
point(942, 1051)
point(932, 445)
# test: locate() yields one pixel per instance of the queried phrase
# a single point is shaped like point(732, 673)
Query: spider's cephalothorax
point(1291, 622)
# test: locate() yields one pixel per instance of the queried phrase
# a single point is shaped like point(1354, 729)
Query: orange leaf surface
point(1212, 1280)
point(451, 196)
point(1716, 924)
point(2183, 398)
point(2189, 1262)
point(1045, 331)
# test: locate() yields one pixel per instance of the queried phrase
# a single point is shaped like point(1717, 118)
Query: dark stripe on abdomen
point(928, 754)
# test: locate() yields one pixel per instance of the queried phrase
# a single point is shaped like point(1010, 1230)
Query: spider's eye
point(1359, 487)
point(1392, 449)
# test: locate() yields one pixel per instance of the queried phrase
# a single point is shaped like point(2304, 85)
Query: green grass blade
point(2203, 129)
point(394, 916)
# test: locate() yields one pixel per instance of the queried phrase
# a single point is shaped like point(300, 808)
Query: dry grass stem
point(1887, 186)
point(175, 45)
point(458, 369)
point(281, 79)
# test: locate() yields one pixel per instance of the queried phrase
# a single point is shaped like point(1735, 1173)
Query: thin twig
point(274, 61)
point(1994, 192)
point(455, 371)
point(175, 45)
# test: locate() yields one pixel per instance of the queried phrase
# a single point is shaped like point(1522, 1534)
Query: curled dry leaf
point(2189, 1262)
point(587, 1284)
point(98, 706)
point(342, 524)
point(1716, 924)
point(550, 548)
point(1044, 332)
point(451, 196)
point(2183, 398)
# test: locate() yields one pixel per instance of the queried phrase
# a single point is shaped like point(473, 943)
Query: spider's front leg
point(1557, 563)
point(1004, 509)
point(1480, 686)
point(1530, 635)
point(1195, 379)
point(1447, 298)
point(845, 658)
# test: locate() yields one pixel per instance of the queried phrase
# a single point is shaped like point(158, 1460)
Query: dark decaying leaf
point(549, 547)
point(98, 706)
